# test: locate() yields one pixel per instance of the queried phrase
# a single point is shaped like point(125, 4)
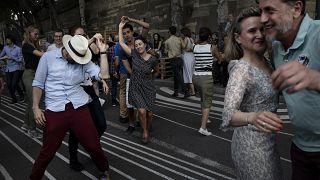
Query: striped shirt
point(204, 59)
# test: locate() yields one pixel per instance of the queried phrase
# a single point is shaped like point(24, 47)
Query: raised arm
point(145, 25)
point(92, 45)
point(124, 46)
point(104, 65)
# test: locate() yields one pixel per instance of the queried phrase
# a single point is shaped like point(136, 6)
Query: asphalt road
point(176, 150)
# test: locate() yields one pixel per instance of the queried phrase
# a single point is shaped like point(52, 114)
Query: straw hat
point(77, 47)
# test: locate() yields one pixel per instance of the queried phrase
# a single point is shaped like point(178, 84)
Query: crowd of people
point(270, 49)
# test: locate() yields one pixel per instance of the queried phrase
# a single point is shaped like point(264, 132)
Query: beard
point(280, 29)
point(285, 25)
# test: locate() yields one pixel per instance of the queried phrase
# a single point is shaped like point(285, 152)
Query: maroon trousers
point(57, 124)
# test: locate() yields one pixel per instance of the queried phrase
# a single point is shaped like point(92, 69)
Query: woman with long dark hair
point(157, 43)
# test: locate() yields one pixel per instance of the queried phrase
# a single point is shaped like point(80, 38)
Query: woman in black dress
point(142, 92)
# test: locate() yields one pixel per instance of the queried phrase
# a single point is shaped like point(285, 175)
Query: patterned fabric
point(254, 152)
point(142, 91)
point(111, 56)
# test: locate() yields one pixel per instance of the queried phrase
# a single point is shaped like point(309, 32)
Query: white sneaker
point(204, 132)
point(25, 127)
point(208, 121)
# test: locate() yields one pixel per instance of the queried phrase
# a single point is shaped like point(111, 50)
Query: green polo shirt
point(303, 106)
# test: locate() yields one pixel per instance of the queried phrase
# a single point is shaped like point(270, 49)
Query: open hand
point(39, 116)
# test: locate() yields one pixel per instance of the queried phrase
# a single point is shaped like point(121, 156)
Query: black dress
point(142, 91)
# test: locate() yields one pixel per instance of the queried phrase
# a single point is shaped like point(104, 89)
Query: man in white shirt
point(58, 34)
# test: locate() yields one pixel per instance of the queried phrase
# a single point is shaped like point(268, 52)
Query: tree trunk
point(54, 15)
point(222, 11)
point(177, 13)
point(82, 5)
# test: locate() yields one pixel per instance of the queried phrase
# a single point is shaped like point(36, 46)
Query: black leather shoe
point(130, 130)
point(13, 102)
point(175, 94)
point(124, 120)
point(76, 166)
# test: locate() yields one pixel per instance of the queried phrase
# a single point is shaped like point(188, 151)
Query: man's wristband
point(105, 52)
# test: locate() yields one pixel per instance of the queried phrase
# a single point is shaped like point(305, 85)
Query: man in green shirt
point(296, 40)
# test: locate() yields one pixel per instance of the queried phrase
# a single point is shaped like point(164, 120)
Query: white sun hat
point(77, 47)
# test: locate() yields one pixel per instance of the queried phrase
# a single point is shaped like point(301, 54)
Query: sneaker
point(76, 166)
point(104, 176)
point(34, 134)
point(130, 130)
point(204, 132)
point(24, 127)
point(208, 121)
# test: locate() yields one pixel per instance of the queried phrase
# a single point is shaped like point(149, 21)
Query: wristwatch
point(105, 52)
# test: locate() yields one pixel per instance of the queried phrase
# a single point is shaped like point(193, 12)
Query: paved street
point(176, 150)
